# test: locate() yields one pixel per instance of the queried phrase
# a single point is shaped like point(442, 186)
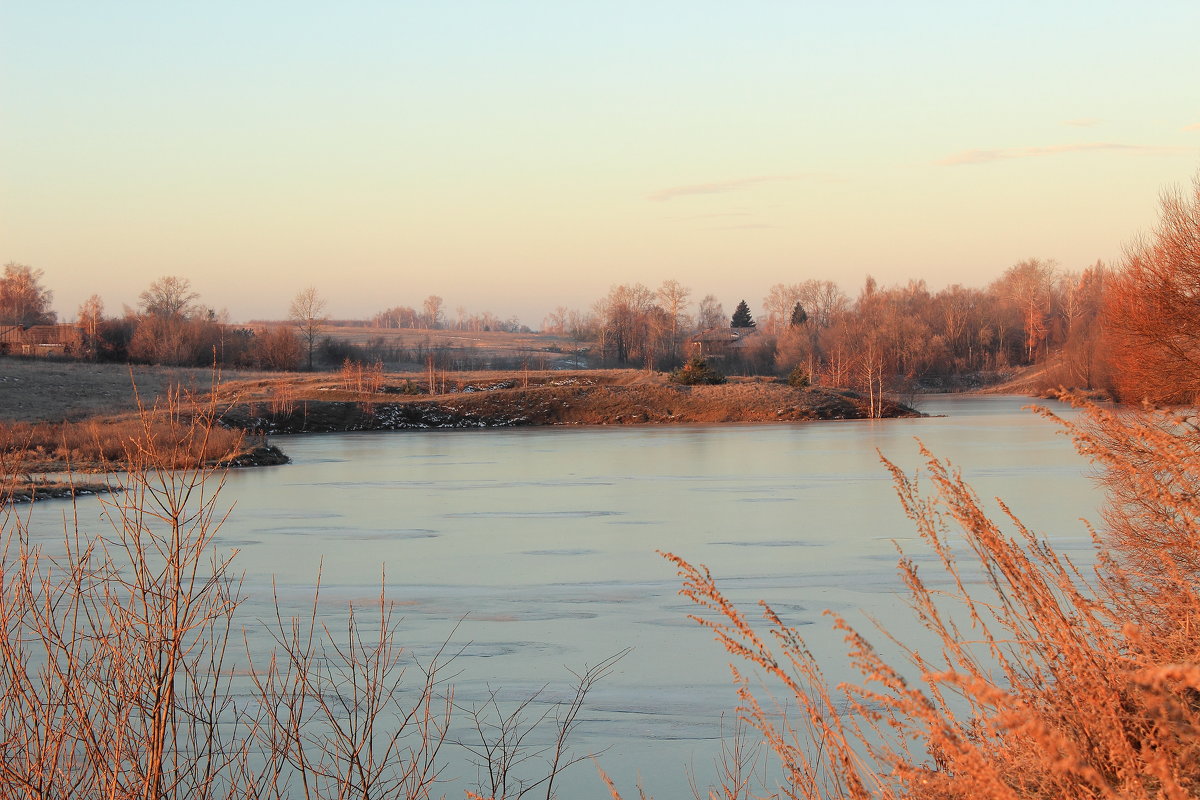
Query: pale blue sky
point(513, 156)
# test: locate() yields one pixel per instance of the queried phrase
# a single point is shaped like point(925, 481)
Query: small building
point(720, 342)
point(41, 340)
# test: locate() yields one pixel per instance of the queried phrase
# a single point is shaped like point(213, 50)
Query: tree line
point(886, 338)
point(1115, 328)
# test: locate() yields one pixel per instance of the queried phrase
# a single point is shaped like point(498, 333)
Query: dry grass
point(1048, 683)
point(361, 398)
point(104, 444)
point(120, 679)
point(44, 390)
point(487, 342)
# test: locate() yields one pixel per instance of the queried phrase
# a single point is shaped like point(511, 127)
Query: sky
point(514, 156)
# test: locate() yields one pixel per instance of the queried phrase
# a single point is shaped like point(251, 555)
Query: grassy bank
point(59, 416)
point(609, 397)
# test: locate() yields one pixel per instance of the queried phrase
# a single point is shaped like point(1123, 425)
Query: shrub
point(798, 377)
point(696, 371)
point(119, 679)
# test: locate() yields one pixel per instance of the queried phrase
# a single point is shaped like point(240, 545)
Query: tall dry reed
point(113, 442)
point(1048, 682)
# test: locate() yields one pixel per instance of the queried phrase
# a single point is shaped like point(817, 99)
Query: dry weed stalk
point(283, 398)
point(1048, 684)
point(364, 380)
point(501, 741)
point(114, 645)
point(338, 716)
point(117, 680)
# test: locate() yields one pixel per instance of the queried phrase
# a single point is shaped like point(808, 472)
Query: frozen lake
point(540, 546)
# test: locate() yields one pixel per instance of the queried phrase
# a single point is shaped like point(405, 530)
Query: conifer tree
point(741, 316)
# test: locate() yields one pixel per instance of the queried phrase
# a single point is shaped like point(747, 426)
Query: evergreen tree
point(799, 317)
point(741, 316)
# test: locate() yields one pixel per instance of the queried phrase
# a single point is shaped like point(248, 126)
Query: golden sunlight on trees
point(174, 329)
point(307, 314)
point(672, 298)
point(1152, 308)
point(279, 348)
point(433, 311)
point(628, 330)
point(23, 299)
point(169, 296)
point(89, 317)
point(1028, 286)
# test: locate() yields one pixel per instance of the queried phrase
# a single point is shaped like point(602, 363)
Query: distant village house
point(721, 342)
point(41, 340)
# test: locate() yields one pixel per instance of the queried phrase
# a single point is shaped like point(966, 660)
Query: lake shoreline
point(564, 404)
point(326, 404)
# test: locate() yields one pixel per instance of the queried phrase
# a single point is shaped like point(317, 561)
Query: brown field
point(498, 341)
point(44, 390)
point(536, 350)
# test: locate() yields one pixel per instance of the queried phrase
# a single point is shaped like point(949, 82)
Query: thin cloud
point(714, 215)
point(987, 156)
point(1083, 122)
point(1195, 127)
point(721, 187)
point(748, 227)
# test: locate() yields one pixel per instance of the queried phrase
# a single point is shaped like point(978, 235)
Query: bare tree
point(307, 313)
point(712, 313)
point(1027, 285)
point(168, 297)
point(672, 297)
point(89, 317)
point(778, 305)
point(556, 321)
point(625, 334)
point(433, 311)
point(23, 300)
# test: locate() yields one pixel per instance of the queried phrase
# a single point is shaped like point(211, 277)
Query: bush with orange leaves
point(1151, 315)
point(1049, 683)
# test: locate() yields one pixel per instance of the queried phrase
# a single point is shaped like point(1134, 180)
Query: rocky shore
point(30, 491)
